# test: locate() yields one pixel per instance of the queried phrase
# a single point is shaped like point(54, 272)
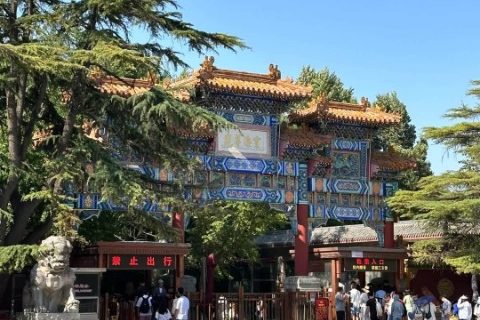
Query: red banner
point(321, 309)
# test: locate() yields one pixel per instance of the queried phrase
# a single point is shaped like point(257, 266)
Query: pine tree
point(325, 83)
point(402, 138)
point(49, 53)
point(451, 201)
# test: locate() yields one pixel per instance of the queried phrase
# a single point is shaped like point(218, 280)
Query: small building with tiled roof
point(409, 231)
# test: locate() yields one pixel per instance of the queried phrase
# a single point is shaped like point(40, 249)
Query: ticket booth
point(365, 264)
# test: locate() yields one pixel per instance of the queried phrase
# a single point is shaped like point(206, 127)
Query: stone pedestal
point(49, 316)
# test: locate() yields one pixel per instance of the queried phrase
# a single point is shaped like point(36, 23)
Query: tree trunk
point(474, 288)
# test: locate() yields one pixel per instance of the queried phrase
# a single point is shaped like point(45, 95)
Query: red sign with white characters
point(140, 262)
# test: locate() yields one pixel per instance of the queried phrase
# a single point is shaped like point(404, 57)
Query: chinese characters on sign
point(141, 262)
point(370, 264)
point(249, 140)
point(321, 309)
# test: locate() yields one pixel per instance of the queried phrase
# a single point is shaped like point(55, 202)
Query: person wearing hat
point(364, 314)
point(464, 308)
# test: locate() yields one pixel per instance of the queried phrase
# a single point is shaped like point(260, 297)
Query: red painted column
point(301, 241)
point(211, 264)
point(388, 237)
point(177, 223)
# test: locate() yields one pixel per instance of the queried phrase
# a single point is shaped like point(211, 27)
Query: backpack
point(428, 314)
point(455, 309)
point(379, 308)
point(145, 306)
point(418, 314)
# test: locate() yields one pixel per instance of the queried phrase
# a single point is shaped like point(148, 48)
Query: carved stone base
point(50, 316)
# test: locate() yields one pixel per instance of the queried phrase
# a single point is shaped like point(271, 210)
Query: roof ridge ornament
point(364, 102)
point(207, 65)
point(273, 72)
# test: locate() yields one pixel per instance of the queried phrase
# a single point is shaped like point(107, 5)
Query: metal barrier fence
point(255, 306)
point(240, 306)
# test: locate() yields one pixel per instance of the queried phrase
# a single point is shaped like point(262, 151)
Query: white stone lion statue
point(52, 280)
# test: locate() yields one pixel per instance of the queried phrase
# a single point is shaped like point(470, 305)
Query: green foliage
point(325, 83)
point(404, 135)
point(48, 51)
point(228, 230)
point(450, 202)
point(125, 226)
point(15, 258)
point(402, 138)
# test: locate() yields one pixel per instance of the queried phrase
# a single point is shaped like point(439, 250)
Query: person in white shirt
point(182, 306)
point(409, 304)
point(355, 300)
point(144, 306)
point(364, 310)
point(464, 308)
point(446, 308)
point(429, 308)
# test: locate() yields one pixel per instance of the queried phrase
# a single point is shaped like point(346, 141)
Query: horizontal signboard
point(370, 264)
point(140, 262)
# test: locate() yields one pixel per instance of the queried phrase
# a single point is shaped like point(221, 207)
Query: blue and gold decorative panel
point(247, 194)
point(87, 201)
point(256, 119)
point(217, 179)
point(352, 186)
point(349, 158)
point(390, 188)
point(302, 184)
point(263, 166)
point(346, 164)
point(349, 144)
point(341, 212)
point(234, 179)
point(151, 172)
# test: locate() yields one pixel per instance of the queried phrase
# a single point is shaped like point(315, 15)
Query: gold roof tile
point(270, 85)
point(392, 161)
point(304, 137)
point(124, 87)
point(320, 109)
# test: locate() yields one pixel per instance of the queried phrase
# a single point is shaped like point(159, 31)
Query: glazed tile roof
point(268, 85)
point(392, 161)
point(320, 109)
point(303, 137)
point(411, 230)
point(124, 87)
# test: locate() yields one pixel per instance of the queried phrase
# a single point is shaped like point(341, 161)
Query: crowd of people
point(384, 303)
point(154, 305)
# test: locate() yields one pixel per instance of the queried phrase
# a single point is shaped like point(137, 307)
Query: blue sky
point(427, 51)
